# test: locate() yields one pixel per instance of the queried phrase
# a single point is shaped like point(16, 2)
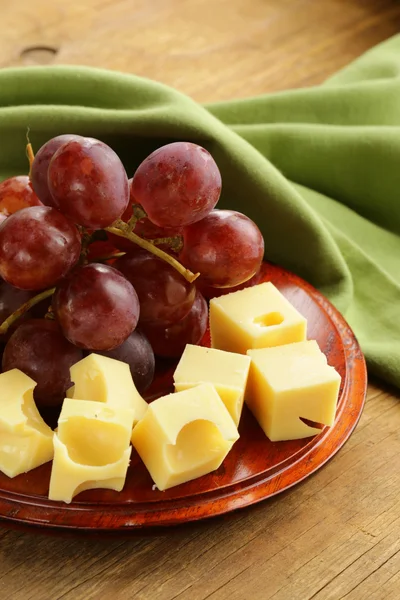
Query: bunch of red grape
point(136, 301)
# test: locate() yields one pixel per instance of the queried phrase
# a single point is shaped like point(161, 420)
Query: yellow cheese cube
point(256, 317)
point(227, 371)
point(184, 436)
point(287, 383)
point(91, 448)
point(26, 442)
point(107, 380)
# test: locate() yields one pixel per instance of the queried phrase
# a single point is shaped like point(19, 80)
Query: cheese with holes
point(26, 442)
point(227, 371)
point(290, 383)
point(256, 317)
point(102, 379)
point(91, 448)
point(184, 435)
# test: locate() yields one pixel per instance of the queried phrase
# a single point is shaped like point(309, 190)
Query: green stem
point(24, 308)
point(30, 155)
point(121, 229)
point(137, 213)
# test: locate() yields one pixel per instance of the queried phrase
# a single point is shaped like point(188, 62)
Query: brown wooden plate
point(254, 470)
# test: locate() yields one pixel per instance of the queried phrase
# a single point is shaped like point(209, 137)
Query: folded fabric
point(317, 169)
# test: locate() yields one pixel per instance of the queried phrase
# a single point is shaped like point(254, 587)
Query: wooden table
point(335, 536)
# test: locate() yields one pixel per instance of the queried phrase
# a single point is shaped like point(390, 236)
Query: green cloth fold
point(318, 169)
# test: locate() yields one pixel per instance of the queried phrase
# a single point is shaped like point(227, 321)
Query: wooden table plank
point(226, 49)
point(337, 534)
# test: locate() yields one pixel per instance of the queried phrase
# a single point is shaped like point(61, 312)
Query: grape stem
point(5, 326)
point(122, 230)
point(175, 242)
point(138, 213)
point(30, 155)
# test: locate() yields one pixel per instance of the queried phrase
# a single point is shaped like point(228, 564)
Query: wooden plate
point(255, 469)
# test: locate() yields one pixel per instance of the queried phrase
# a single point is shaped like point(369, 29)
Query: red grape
point(213, 292)
point(137, 352)
point(178, 184)
point(165, 296)
point(16, 193)
point(88, 183)
point(226, 247)
point(38, 348)
point(144, 228)
point(11, 298)
point(171, 341)
point(38, 246)
point(41, 163)
point(96, 307)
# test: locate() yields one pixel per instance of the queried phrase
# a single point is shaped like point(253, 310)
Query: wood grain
point(210, 50)
point(334, 536)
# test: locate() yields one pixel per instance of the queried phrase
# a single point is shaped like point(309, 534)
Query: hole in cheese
point(92, 442)
point(269, 319)
point(33, 418)
point(197, 443)
point(90, 386)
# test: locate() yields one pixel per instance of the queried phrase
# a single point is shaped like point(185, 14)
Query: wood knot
point(38, 55)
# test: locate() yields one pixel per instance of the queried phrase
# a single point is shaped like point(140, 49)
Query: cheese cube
point(227, 371)
point(256, 317)
point(107, 380)
point(26, 442)
point(184, 436)
point(91, 448)
point(287, 383)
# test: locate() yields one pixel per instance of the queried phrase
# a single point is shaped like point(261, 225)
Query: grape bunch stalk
point(91, 261)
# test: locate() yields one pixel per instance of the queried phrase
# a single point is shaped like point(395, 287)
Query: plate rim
point(166, 513)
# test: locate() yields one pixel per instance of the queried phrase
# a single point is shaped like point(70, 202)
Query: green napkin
point(318, 169)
